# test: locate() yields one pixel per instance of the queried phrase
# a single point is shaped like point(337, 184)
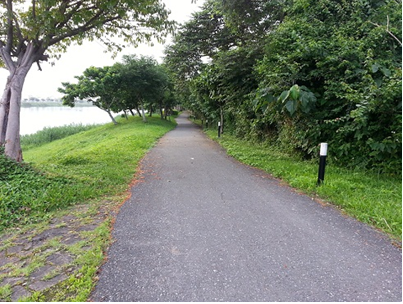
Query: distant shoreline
point(53, 104)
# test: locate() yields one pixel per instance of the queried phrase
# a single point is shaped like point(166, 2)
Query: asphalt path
point(200, 226)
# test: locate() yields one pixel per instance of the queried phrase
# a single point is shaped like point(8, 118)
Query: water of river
point(34, 119)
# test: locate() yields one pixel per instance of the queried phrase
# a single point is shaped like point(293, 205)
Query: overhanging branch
point(387, 30)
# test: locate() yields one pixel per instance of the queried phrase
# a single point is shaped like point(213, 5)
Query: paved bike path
point(200, 226)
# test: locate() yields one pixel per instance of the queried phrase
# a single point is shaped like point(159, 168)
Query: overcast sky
point(44, 83)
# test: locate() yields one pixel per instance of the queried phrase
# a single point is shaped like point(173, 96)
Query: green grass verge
point(83, 166)
point(371, 198)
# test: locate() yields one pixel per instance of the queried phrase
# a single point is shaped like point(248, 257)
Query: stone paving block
point(4, 260)
point(71, 239)
point(41, 272)
point(41, 285)
point(11, 281)
point(60, 258)
point(15, 249)
point(88, 227)
point(18, 293)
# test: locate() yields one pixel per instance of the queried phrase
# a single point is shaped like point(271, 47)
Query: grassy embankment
point(91, 167)
point(371, 198)
point(87, 165)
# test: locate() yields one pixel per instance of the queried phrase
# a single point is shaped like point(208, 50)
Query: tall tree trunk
point(4, 110)
point(10, 104)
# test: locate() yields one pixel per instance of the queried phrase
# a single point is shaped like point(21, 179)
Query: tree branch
point(10, 28)
point(6, 56)
point(387, 30)
point(84, 28)
point(70, 14)
point(33, 10)
point(20, 38)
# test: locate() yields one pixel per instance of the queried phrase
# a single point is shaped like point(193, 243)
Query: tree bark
point(10, 104)
point(111, 116)
point(4, 110)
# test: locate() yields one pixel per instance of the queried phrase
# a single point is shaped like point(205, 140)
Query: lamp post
point(322, 163)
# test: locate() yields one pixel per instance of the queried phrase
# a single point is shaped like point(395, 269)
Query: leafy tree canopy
point(52, 25)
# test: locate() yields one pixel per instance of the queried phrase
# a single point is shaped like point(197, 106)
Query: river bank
point(40, 115)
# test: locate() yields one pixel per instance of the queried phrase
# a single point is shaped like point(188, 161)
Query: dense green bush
point(353, 67)
point(23, 191)
point(301, 73)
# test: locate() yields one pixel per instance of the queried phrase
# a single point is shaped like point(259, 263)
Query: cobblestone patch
point(40, 257)
point(19, 292)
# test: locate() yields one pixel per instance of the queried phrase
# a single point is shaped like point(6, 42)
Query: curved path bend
point(202, 227)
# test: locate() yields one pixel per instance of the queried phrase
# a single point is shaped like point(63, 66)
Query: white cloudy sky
point(45, 83)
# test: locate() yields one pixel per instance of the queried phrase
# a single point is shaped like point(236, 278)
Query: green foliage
point(297, 73)
point(144, 82)
point(24, 190)
point(137, 82)
point(99, 85)
point(53, 25)
point(87, 165)
point(354, 70)
point(5, 292)
point(50, 134)
point(296, 99)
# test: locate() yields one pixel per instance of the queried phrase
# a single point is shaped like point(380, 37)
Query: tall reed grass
point(49, 134)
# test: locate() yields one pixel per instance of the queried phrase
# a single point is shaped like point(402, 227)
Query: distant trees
point(134, 84)
point(296, 73)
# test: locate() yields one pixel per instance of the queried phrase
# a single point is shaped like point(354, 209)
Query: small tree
point(42, 29)
point(99, 85)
